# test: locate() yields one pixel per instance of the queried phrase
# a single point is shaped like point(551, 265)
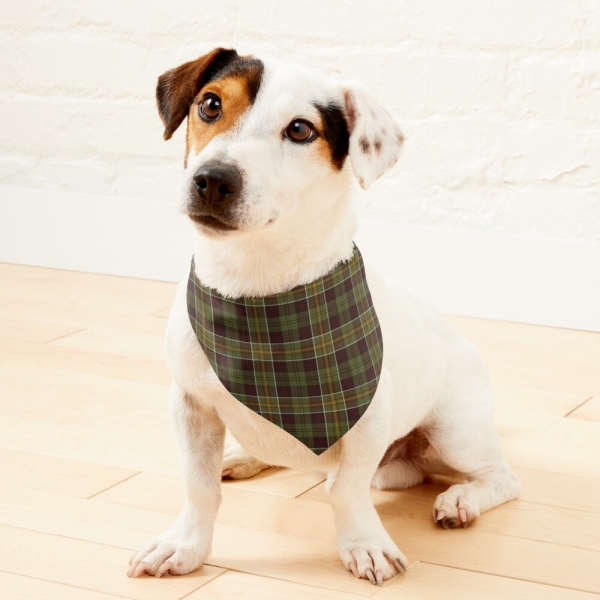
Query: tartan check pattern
point(308, 360)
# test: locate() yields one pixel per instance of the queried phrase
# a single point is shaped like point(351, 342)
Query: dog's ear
point(177, 88)
point(375, 138)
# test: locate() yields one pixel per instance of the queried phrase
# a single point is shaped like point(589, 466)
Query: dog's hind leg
point(468, 442)
point(398, 474)
point(400, 466)
point(238, 464)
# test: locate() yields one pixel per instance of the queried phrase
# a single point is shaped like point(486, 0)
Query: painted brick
point(498, 99)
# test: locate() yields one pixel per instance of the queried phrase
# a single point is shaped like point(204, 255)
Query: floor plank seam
point(113, 485)
point(307, 584)
point(205, 584)
point(62, 337)
point(312, 487)
point(578, 406)
point(488, 573)
point(70, 537)
point(76, 587)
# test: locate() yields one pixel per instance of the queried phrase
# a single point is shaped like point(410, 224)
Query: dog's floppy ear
point(177, 88)
point(375, 138)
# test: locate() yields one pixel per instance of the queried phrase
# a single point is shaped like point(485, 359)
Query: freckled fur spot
point(377, 145)
point(365, 146)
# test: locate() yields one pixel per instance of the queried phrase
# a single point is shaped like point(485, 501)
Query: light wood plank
point(551, 456)
point(120, 341)
point(426, 581)
point(590, 411)
point(250, 587)
point(555, 489)
point(122, 443)
point(573, 432)
point(539, 357)
point(90, 566)
point(18, 587)
point(79, 316)
point(49, 473)
point(72, 288)
point(82, 361)
point(33, 331)
point(282, 482)
point(95, 418)
point(524, 411)
point(73, 397)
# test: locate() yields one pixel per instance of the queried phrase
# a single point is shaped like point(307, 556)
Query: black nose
point(216, 182)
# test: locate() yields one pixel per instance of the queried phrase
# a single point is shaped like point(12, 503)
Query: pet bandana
point(308, 360)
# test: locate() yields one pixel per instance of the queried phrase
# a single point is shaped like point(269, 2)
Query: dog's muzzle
point(216, 187)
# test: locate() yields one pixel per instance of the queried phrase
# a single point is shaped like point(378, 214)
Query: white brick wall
point(500, 99)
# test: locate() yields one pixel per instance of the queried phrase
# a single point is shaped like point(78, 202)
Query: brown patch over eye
point(229, 94)
point(300, 130)
point(210, 108)
point(221, 105)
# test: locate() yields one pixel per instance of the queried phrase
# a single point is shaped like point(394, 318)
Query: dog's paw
point(238, 464)
point(456, 507)
point(372, 559)
point(170, 554)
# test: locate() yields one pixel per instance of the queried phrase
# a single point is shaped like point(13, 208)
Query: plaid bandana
point(308, 360)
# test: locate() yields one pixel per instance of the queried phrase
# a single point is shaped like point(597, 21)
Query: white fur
point(295, 224)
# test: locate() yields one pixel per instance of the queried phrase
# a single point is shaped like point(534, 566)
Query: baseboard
point(531, 280)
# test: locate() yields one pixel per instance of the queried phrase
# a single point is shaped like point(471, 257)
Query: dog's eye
point(299, 130)
point(210, 108)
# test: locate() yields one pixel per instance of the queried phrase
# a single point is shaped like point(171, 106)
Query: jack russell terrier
point(281, 335)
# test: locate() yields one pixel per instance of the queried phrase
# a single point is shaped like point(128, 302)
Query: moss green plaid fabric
point(308, 360)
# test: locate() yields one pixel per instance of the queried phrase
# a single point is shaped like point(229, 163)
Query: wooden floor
point(89, 470)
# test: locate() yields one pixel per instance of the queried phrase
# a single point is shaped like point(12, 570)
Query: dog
point(271, 150)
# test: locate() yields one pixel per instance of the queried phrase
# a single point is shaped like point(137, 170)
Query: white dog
point(266, 187)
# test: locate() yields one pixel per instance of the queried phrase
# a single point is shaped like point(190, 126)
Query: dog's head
point(265, 139)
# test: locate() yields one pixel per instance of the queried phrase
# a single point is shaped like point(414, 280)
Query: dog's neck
point(289, 253)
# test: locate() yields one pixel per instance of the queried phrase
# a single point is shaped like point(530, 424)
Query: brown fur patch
point(365, 145)
point(411, 447)
point(377, 145)
point(177, 88)
point(236, 99)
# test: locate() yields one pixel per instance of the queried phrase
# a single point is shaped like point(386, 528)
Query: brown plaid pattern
point(308, 360)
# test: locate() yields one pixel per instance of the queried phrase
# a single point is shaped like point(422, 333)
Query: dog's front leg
point(364, 545)
point(184, 547)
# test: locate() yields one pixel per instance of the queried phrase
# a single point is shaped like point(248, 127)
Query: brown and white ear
point(375, 138)
point(177, 88)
